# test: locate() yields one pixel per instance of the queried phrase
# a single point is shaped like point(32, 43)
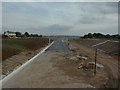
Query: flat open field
point(16, 51)
point(14, 46)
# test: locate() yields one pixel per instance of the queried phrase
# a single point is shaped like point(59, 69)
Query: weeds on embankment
point(13, 46)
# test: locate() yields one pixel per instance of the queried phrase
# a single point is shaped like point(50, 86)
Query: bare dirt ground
point(12, 63)
point(63, 70)
point(44, 72)
point(17, 51)
point(105, 77)
point(70, 68)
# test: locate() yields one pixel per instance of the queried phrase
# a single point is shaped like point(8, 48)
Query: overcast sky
point(60, 18)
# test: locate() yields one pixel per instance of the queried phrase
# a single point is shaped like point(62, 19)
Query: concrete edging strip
point(25, 64)
point(100, 43)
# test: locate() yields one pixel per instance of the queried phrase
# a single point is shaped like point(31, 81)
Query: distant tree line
point(26, 34)
point(101, 36)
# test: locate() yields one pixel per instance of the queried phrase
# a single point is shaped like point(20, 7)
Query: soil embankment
point(16, 51)
point(110, 62)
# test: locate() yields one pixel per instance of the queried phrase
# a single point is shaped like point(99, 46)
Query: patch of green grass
point(14, 46)
point(18, 47)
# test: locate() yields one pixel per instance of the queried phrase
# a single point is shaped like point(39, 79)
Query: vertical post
point(95, 61)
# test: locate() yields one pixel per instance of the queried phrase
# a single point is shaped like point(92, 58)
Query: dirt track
point(52, 69)
point(111, 65)
point(44, 72)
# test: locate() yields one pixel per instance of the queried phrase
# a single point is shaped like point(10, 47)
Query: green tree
point(90, 35)
point(18, 34)
point(40, 35)
point(107, 36)
point(26, 34)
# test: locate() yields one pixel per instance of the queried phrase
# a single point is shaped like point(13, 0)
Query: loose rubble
point(93, 65)
point(84, 62)
point(76, 57)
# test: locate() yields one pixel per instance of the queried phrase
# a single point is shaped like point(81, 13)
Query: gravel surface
point(54, 69)
point(44, 73)
point(110, 65)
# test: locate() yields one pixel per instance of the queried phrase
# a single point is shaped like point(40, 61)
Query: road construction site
point(68, 64)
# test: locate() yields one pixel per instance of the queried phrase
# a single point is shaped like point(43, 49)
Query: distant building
point(10, 34)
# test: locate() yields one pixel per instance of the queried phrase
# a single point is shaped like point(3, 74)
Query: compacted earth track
point(109, 61)
point(42, 72)
point(58, 67)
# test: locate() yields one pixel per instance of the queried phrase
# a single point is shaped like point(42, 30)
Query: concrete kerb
point(25, 64)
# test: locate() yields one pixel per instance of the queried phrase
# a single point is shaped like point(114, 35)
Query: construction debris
point(80, 66)
point(81, 57)
point(89, 66)
point(92, 65)
point(77, 57)
point(83, 62)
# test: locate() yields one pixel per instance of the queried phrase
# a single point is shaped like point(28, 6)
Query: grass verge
point(13, 46)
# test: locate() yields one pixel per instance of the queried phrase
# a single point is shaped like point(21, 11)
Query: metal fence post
point(95, 61)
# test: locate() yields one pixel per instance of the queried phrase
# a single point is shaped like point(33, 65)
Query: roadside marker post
point(96, 50)
point(95, 60)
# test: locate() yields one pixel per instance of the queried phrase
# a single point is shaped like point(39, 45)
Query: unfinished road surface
point(41, 73)
point(59, 46)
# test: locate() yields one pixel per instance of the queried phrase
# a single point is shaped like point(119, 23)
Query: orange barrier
point(111, 58)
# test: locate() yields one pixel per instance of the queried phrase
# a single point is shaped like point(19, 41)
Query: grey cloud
point(97, 12)
point(93, 19)
point(109, 8)
point(56, 27)
point(112, 4)
point(90, 20)
point(99, 7)
point(59, 18)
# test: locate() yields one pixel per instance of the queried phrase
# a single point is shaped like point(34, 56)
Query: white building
point(10, 34)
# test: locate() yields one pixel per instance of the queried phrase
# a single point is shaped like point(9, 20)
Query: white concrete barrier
point(22, 66)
